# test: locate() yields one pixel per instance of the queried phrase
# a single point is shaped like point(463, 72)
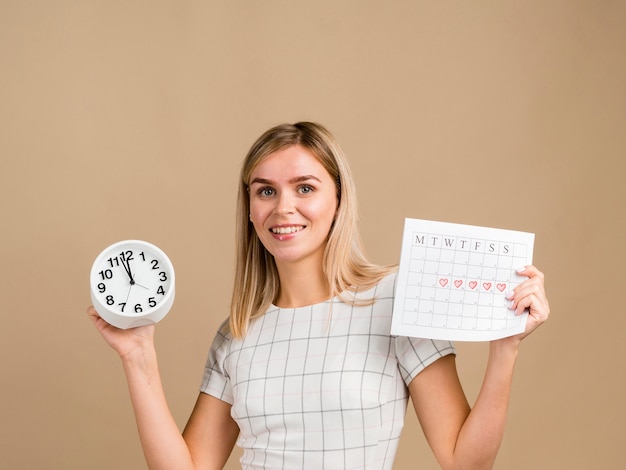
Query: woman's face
point(293, 201)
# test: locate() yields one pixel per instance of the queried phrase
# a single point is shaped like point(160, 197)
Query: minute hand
point(126, 264)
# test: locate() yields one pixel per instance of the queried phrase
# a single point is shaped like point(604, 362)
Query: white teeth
point(284, 230)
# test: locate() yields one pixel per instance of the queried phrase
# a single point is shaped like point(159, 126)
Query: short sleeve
point(415, 354)
point(216, 381)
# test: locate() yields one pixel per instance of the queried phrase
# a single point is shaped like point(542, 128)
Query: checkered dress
point(319, 387)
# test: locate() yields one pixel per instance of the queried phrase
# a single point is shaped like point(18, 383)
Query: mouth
point(284, 230)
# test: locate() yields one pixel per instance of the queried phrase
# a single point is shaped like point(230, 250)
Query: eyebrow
point(297, 179)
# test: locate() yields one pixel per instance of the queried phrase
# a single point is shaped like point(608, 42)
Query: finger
point(534, 301)
point(97, 320)
point(534, 285)
point(524, 304)
point(92, 313)
point(531, 286)
point(530, 271)
point(538, 315)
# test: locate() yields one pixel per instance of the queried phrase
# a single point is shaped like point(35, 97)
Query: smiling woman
point(289, 153)
point(305, 370)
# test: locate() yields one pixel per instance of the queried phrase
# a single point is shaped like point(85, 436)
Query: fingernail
point(521, 270)
point(510, 295)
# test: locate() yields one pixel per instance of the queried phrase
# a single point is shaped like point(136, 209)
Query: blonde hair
point(345, 265)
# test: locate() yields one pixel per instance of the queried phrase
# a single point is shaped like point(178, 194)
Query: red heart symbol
point(473, 284)
point(458, 283)
point(443, 282)
point(501, 287)
point(487, 285)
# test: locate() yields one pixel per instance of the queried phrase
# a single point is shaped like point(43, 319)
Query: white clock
point(132, 284)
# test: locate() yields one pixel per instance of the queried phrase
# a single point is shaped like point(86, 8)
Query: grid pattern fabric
point(320, 387)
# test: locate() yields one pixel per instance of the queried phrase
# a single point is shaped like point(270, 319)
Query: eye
point(266, 192)
point(305, 189)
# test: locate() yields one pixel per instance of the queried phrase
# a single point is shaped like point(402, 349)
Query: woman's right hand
point(123, 342)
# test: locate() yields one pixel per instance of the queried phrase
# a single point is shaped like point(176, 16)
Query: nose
point(284, 204)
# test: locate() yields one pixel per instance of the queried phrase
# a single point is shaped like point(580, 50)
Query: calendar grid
point(456, 280)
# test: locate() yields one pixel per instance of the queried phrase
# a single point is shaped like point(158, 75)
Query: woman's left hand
point(530, 295)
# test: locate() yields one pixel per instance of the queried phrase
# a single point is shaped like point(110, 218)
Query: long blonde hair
point(345, 265)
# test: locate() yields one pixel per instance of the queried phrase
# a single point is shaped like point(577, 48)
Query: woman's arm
point(461, 437)
point(210, 433)
point(470, 438)
point(211, 444)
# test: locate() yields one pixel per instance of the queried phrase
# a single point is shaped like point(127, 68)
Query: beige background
point(129, 120)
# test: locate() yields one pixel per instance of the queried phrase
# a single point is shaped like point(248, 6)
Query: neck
point(301, 285)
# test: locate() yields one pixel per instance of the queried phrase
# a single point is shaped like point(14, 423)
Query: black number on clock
point(163, 276)
point(155, 264)
point(151, 302)
point(123, 304)
point(102, 287)
point(110, 300)
point(160, 290)
point(138, 308)
point(106, 274)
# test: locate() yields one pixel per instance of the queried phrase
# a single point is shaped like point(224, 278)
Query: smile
point(286, 230)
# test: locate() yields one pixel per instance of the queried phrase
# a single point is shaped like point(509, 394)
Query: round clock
point(132, 284)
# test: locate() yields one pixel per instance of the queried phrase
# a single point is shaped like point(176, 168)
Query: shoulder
point(387, 284)
point(222, 339)
point(382, 288)
point(223, 330)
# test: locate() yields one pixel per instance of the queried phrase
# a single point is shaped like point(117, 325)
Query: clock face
point(132, 280)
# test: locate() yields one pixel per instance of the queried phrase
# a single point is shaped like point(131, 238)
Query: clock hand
point(123, 258)
point(128, 295)
point(130, 273)
point(126, 264)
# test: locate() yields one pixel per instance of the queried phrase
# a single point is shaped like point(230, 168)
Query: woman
point(305, 371)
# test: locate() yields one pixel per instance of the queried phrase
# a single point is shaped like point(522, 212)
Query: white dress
point(319, 387)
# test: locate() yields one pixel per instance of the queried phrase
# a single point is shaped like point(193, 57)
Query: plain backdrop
point(129, 119)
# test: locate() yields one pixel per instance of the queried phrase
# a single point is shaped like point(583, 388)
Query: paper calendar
point(453, 280)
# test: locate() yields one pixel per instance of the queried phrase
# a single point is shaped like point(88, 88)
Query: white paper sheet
point(453, 281)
